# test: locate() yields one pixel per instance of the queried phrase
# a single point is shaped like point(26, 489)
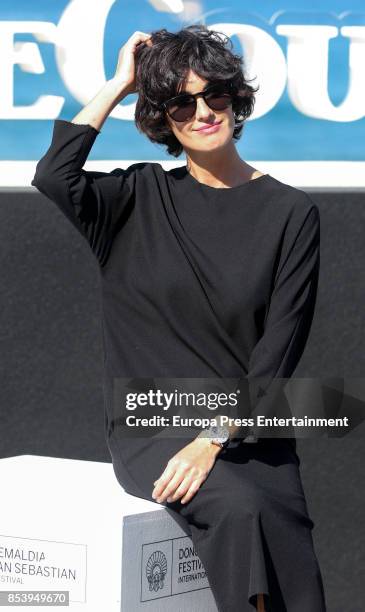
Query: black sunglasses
point(182, 107)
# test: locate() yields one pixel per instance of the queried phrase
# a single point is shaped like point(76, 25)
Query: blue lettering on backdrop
point(55, 56)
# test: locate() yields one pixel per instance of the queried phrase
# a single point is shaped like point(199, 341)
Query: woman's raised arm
point(94, 202)
point(122, 84)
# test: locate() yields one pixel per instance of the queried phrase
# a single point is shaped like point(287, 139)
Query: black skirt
point(249, 520)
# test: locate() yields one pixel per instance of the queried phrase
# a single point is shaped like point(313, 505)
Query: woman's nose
point(202, 109)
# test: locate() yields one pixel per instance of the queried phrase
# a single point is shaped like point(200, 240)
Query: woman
point(206, 270)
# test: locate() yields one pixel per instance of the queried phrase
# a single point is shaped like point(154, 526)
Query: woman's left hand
point(186, 471)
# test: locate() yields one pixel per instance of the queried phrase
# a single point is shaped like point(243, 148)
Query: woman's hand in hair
point(186, 471)
point(125, 73)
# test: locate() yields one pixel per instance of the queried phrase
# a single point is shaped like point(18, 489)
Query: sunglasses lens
point(182, 110)
point(218, 100)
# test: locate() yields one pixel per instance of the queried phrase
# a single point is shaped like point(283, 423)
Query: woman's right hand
point(125, 73)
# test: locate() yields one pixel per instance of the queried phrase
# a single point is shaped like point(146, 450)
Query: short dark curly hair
point(163, 67)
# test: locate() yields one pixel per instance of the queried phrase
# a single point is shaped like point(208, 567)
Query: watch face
point(221, 434)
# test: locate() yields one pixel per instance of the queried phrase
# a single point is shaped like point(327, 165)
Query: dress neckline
point(221, 189)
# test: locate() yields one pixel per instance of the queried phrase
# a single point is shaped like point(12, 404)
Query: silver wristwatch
point(218, 434)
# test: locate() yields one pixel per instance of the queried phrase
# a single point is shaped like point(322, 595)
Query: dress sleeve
point(290, 313)
point(94, 202)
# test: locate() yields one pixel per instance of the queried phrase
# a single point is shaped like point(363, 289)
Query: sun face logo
point(156, 569)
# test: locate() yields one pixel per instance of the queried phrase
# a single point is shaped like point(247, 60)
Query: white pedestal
point(68, 515)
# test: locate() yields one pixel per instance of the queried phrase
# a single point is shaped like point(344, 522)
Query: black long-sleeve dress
point(198, 281)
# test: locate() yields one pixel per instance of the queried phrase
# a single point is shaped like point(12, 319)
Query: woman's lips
point(209, 130)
